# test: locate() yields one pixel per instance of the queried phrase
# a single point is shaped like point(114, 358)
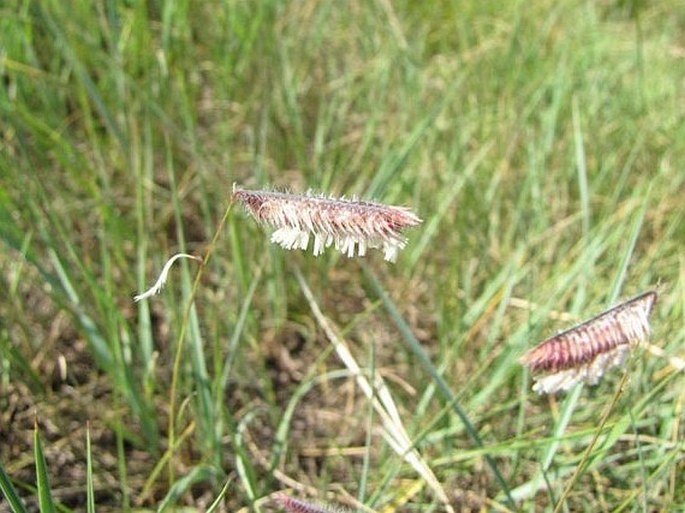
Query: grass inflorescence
point(585, 352)
point(351, 225)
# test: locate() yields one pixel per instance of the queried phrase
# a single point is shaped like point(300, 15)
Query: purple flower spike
point(584, 353)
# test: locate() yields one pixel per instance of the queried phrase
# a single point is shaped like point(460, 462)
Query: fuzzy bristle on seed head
point(351, 226)
point(584, 353)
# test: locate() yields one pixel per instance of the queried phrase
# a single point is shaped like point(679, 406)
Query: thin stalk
point(181, 336)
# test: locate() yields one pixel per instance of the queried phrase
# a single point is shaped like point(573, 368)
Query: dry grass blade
point(351, 225)
point(585, 352)
point(381, 399)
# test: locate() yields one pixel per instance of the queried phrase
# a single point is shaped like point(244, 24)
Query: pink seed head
point(350, 225)
point(584, 352)
point(293, 505)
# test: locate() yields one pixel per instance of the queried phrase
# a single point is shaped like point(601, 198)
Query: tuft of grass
point(541, 144)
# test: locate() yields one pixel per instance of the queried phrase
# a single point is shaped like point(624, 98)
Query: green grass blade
point(199, 474)
point(217, 502)
point(243, 462)
point(90, 490)
point(630, 249)
point(42, 482)
point(581, 165)
point(15, 503)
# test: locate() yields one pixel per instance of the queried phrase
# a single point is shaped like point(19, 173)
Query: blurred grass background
point(543, 145)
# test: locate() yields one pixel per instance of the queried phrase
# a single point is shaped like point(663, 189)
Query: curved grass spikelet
point(157, 287)
point(350, 225)
point(585, 352)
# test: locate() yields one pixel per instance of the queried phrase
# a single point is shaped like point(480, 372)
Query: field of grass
point(543, 145)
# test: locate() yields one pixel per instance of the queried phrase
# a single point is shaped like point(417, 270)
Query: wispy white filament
point(163, 276)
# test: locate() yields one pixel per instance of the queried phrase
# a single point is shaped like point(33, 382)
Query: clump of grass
point(532, 145)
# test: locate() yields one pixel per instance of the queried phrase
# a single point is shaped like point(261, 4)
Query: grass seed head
point(352, 226)
point(585, 352)
point(293, 505)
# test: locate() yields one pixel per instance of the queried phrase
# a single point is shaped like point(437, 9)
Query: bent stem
point(593, 443)
point(180, 343)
